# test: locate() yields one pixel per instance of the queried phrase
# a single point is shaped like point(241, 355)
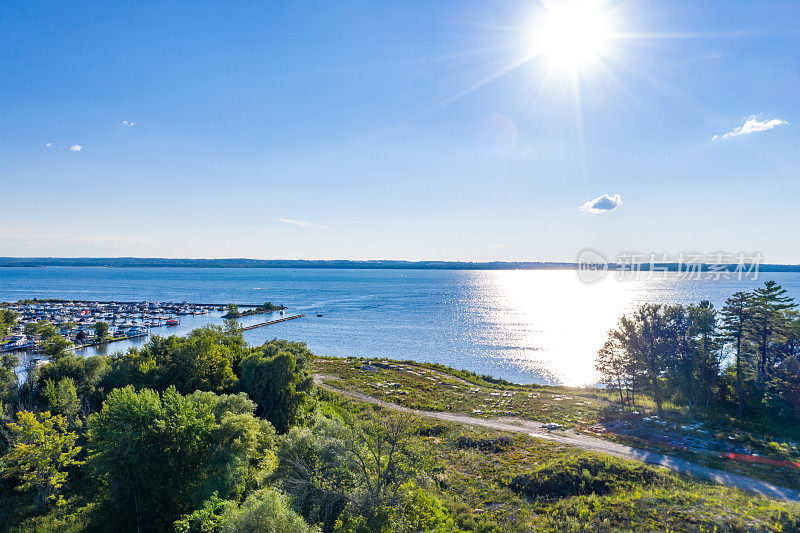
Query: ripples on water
point(524, 326)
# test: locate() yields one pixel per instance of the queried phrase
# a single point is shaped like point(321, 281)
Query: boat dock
point(262, 324)
point(76, 320)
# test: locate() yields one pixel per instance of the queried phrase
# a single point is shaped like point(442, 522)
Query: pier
point(262, 324)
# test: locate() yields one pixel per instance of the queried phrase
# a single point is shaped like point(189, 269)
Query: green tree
point(42, 448)
point(206, 519)
point(100, 330)
point(783, 390)
point(9, 382)
point(316, 469)
point(86, 374)
point(736, 316)
point(642, 336)
point(8, 319)
point(616, 368)
point(278, 384)
point(231, 311)
point(52, 344)
point(157, 457)
point(681, 356)
point(203, 360)
point(706, 347)
point(422, 511)
point(62, 398)
point(352, 474)
point(265, 511)
point(31, 328)
point(767, 325)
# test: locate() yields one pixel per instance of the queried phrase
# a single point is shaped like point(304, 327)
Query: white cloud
point(301, 223)
point(751, 125)
point(127, 123)
point(602, 204)
point(38, 241)
point(48, 145)
point(76, 147)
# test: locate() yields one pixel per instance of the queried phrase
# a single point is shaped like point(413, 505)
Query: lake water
point(524, 326)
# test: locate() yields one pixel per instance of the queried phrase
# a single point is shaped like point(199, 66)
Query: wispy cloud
point(35, 240)
point(48, 145)
point(128, 123)
point(76, 147)
point(751, 125)
point(602, 204)
point(301, 223)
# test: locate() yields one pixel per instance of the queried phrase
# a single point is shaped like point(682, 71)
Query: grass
point(437, 388)
point(434, 388)
point(517, 483)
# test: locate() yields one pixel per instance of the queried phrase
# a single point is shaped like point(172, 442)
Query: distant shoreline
point(136, 262)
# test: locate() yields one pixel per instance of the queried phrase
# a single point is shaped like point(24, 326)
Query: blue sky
point(395, 130)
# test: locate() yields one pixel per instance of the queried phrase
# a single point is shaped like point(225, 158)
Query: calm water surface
point(524, 326)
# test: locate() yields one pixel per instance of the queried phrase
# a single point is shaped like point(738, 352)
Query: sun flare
point(573, 35)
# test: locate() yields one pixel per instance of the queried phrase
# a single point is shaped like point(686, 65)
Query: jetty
point(262, 324)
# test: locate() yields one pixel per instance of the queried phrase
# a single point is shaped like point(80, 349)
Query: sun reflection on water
point(551, 324)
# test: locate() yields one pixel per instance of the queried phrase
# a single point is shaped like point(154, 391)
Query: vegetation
point(158, 457)
point(207, 434)
point(681, 354)
point(436, 388)
point(8, 319)
point(232, 311)
point(101, 330)
point(41, 449)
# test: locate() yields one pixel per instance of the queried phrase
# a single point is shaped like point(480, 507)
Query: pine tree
point(736, 316)
point(768, 323)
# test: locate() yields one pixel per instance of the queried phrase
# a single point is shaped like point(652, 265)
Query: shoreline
point(346, 264)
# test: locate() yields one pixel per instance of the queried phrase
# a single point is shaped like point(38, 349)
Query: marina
point(86, 323)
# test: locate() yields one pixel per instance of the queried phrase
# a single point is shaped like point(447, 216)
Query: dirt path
point(584, 442)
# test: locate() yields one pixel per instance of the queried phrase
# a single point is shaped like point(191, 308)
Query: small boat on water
point(172, 322)
point(319, 314)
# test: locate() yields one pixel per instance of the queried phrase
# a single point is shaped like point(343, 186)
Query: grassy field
point(434, 388)
point(438, 388)
point(493, 481)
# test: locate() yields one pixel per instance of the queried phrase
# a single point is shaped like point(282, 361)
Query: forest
point(742, 359)
point(200, 433)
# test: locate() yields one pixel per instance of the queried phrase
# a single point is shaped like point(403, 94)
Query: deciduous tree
point(42, 447)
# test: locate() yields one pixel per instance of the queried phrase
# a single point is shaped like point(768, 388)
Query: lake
point(528, 326)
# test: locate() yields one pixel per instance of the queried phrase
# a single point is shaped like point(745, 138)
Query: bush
point(264, 511)
point(486, 445)
point(207, 519)
point(581, 475)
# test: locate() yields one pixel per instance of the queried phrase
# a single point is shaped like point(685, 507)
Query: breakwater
point(262, 324)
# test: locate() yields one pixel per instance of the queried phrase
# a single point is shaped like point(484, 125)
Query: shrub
point(580, 475)
point(487, 445)
point(264, 511)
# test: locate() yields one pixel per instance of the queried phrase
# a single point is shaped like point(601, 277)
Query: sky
point(420, 130)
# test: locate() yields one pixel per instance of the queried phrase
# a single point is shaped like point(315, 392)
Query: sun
point(573, 35)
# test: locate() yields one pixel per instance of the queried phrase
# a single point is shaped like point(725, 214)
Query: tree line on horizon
point(744, 357)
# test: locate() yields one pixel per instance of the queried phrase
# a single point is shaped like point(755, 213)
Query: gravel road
point(585, 442)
